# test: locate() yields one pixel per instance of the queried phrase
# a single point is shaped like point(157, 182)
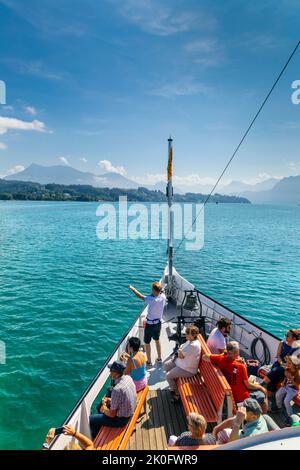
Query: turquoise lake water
point(64, 299)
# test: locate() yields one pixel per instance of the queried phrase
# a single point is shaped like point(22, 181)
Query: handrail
point(235, 313)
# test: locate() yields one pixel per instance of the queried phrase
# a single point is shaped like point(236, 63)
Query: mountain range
point(66, 175)
point(270, 191)
point(238, 187)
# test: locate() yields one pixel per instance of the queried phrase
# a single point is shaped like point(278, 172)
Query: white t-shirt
point(156, 305)
point(216, 341)
point(191, 351)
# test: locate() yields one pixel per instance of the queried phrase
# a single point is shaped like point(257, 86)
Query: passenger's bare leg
point(158, 349)
point(265, 406)
point(148, 352)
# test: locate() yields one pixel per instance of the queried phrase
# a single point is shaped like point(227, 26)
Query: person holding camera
point(117, 410)
point(85, 442)
point(135, 361)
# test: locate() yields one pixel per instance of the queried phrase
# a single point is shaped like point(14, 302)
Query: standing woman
point(156, 303)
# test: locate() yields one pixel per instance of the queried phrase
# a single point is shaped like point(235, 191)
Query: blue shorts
point(152, 331)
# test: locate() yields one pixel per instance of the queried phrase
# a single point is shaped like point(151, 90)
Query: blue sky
point(107, 81)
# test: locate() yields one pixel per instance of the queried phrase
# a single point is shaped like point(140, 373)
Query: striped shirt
point(186, 439)
point(123, 397)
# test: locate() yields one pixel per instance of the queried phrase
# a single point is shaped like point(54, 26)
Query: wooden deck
point(158, 422)
point(160, 419)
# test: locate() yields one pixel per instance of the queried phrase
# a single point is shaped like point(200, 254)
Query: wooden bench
point(117, 438)
point(207, 391)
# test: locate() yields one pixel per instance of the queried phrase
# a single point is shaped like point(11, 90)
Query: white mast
point(170, 214)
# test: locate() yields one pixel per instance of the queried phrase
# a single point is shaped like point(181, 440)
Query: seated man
point(249, 418)
point(235, 372)
point(195, 436)
point(216, 340)
point(117, 410)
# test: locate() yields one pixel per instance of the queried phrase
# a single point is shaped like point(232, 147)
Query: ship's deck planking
point(159, 420)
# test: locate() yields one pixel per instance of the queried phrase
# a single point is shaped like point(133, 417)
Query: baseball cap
point(117, 366)
point(252, 405)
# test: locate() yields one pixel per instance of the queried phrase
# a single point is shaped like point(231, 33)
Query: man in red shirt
point(236, 374)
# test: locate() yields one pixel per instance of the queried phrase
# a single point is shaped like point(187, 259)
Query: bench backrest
point(214, 379)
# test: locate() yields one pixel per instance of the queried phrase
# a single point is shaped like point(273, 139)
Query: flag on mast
point(170, 163)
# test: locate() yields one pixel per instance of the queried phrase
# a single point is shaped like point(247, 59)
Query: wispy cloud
point(49, 17)
point(188, 180)
point(31, 110)
point(64, 160)
point(219, 126)
point(83, 159)
point(160, 19)
point(185, 87)
point(7, 124)
point(108, 167)
point(294, 166)
point(288, 126)
point(8, 108)
point(257, 42)
point(39, 69)
point(14, 170)
point(206, 52)
point(3, 146)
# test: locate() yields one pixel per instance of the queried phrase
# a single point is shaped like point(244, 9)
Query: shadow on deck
point(158, 421)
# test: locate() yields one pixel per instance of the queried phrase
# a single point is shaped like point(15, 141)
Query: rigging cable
point(239, 145)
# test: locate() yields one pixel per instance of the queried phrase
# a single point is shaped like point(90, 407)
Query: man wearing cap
point(117, 410)
point(247, 422)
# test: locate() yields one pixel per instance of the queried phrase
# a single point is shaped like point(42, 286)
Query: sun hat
point(117, 367)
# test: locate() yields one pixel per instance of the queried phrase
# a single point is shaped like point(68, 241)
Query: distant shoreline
point(28, 191)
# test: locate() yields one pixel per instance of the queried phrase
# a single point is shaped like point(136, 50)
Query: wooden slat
point(146, 424)
point(159, 416)
point(160, 431)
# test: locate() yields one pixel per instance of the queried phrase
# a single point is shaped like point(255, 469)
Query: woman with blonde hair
point(195, 435)
point(186, 363)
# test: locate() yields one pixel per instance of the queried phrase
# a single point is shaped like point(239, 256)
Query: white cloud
point(294, 166)
point(185, 87)
point(8, 108)
point(14, 170)
point(38, 69)
point(206, 52)
point(162, 20)
point(188, 180)
point(82, 159)
point(31, 110)
point(3, 146)
point(64, 160)
point(7, 123)
point(201, 46)
point(108, 167)
point(257, 42)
